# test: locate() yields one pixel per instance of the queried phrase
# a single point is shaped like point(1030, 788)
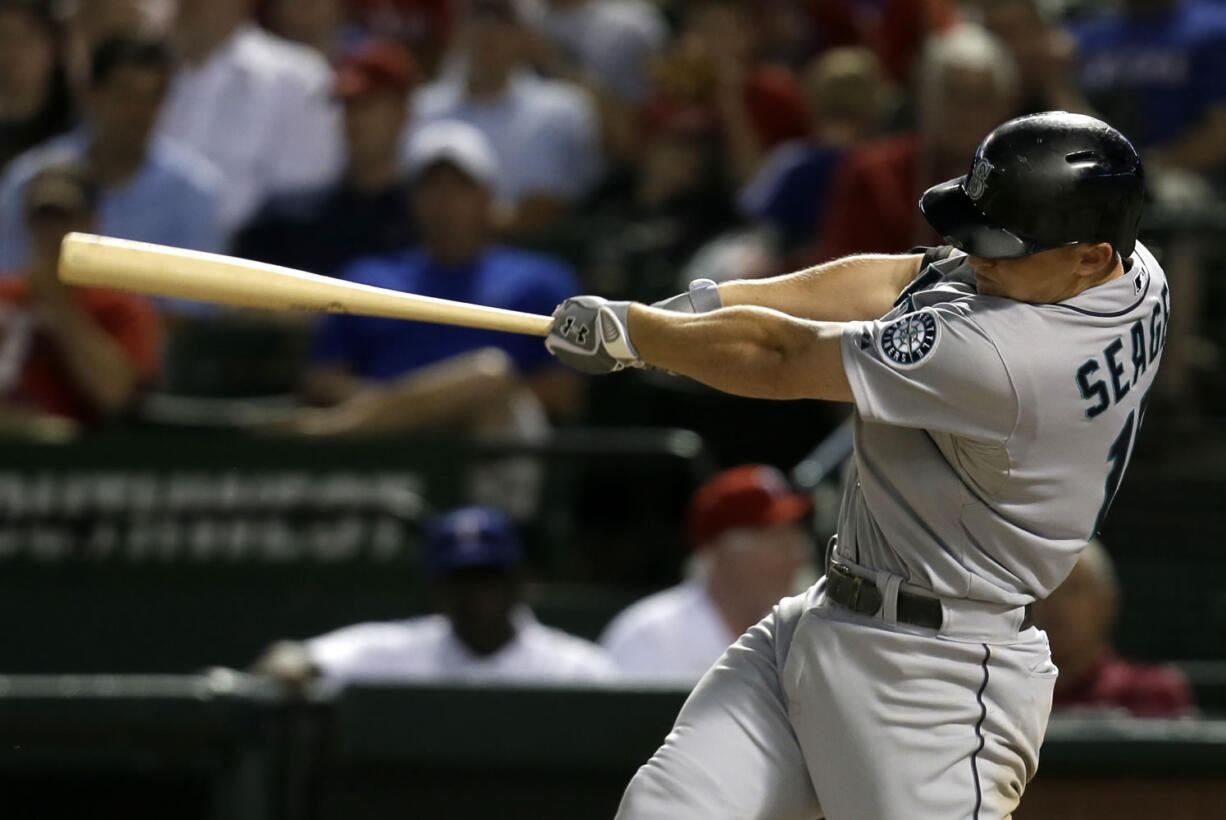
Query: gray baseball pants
point(820, 712)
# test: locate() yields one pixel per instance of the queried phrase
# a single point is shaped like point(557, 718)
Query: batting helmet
point(1040, 182)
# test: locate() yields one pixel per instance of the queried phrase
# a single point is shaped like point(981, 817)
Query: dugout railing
point(227, 746)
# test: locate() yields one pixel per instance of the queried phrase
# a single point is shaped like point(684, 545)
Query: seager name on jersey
point(1138, 350)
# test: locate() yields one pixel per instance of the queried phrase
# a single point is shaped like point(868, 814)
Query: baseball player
point(998, 387)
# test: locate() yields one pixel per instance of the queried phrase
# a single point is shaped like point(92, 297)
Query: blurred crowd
point(750, 544)
point(513, 153)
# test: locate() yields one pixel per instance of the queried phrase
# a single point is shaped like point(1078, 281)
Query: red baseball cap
point(753, 495)
point(377, 65)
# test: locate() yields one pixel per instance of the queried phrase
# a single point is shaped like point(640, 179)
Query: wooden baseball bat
point(105, 262)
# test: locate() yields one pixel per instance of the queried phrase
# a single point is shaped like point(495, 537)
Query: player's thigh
point(732, 752)
point(899, 725)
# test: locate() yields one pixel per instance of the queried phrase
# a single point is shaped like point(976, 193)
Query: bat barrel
point(142, 267)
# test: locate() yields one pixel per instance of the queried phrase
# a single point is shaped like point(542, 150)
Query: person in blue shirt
point(382, 375)
point(153, 190)
point(1156, 69)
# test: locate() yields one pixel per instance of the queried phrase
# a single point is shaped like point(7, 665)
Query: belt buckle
point(857, 589)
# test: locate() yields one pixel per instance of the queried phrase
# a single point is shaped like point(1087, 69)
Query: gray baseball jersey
point(990, 434)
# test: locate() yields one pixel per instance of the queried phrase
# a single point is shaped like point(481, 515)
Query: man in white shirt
point(483, 632)
point(545, 133)
point(750, 550)
point(258, 106)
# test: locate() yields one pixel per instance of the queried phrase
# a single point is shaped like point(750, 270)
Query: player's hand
point(590, 334)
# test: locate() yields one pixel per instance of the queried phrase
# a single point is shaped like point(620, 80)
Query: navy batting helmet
point(1040, 182)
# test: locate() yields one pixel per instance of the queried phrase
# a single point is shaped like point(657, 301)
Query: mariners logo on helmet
point(907, 341)
point(977, 181)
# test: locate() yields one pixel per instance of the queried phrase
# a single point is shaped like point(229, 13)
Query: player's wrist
point(702, 297)
point(619, 344)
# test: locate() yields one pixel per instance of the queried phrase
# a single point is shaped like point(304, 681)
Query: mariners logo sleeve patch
point(908, 341)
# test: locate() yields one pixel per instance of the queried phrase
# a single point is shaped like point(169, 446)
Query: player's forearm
point(848, 289)
point(747, 351)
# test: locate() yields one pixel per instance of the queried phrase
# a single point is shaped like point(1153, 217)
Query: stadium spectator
point(751, 550)
point(650, 218)
point(967, 86)
point(1044, 51)
point(714, 62)
point(545, 133)
point(154, 189)
point(848, 95)
point(258, 106)
point(424, 26)
point(35, 99)
point(1078, 618)
point(894, 29)
point(1156, 69)
point(608, 41)
point(317, 24)
point(69, 357)
point(606, 47)
point(367, 211)
point(484, 632)
point(385, 374)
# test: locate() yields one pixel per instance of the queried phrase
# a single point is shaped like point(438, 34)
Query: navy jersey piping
point(983, 713)
point(1117, 313)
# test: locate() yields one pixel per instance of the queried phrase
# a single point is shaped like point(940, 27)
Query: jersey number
point(1117, 457)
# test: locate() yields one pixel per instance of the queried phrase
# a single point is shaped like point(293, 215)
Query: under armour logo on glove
point(590, 334)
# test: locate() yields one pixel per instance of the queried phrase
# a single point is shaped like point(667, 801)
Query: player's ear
point(1093, 258)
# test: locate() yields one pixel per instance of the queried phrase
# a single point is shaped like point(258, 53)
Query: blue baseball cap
point(471, 537)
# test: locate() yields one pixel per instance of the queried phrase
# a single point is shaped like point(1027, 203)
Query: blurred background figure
point(609, 41)
point(384, 375)
point(968, 85)
point(258, 106)
point(607, 47)
point(153, 189)
point(35, 98)
point(317, 24)
point(751, 549)
point(715, 62)
point(648, 219)
point(848, 95)
point(1078, 618)
point(94, 21)
point(894, 29)
point(70, 358)
point(1156, 69)
point(368, 210)
point(483, 632)
point(90, 23)
point(426, 27)
point(1044, 51)
point(545, 133)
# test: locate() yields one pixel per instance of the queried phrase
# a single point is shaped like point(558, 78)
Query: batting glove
point(590, 334)
point(703, 296)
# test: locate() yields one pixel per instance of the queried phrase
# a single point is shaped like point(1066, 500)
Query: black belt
point(850, 591)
